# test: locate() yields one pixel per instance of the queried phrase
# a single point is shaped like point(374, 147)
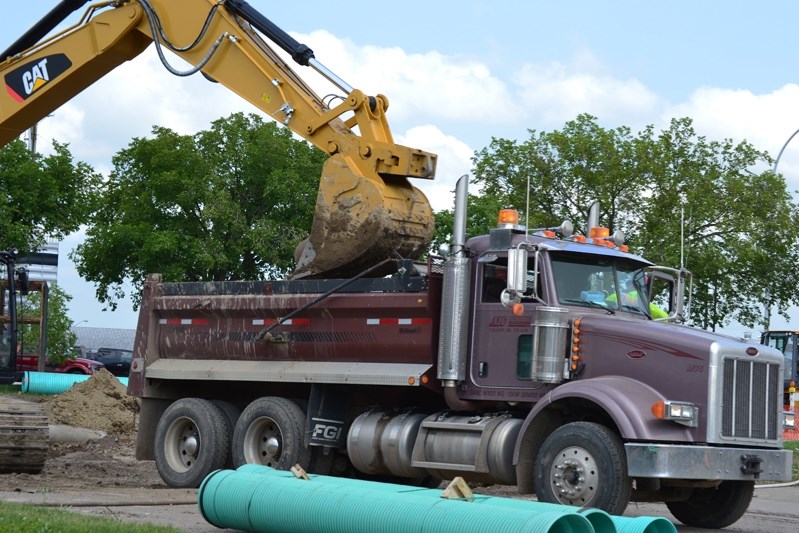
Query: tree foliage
point(228, 203)
point(61, 338)
point(740, 223)
point(42, 196)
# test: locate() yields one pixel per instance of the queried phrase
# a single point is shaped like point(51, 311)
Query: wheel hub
point(574, 476)
point(263, 442)
point(272, 447)
point(191, 445)
point(182, 444)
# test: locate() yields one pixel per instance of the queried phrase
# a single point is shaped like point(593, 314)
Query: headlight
point(684, 413)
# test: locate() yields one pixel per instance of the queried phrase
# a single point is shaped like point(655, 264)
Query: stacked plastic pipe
point(54, 382)
point(260, 499)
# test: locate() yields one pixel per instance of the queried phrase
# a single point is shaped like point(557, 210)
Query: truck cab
point(564, 278)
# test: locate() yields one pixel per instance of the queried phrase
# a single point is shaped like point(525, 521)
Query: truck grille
point(749, 405)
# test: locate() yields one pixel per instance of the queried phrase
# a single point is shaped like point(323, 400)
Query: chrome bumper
point(708, 463)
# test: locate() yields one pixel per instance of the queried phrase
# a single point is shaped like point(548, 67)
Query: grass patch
point(16, 390)
point(19, 518)
point(9, 389)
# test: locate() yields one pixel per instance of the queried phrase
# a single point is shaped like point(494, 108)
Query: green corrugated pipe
point(278, 504)
point(643, 524)
point(600, 520)
point(54, 382)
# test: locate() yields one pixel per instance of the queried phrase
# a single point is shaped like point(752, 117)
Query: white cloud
point(553, 93)
point(429, 85)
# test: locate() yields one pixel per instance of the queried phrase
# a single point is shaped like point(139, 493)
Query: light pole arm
point(779, 155)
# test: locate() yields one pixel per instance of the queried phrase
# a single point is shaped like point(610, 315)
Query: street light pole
point(776, 163)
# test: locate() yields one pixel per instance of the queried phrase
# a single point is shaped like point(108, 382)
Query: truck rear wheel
point(583, 464)
point(191, 441)
point(270, 432)
point(714, 508)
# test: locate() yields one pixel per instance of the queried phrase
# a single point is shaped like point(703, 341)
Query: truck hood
point(651, 337)
point(675, 362)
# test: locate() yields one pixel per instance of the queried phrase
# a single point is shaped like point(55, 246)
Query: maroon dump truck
point(520, 358)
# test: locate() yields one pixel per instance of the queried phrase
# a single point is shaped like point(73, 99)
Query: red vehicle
point(76, 365)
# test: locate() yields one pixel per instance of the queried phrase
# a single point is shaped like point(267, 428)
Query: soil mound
point(101, 402)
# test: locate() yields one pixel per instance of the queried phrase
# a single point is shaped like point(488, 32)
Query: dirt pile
point(101, 402)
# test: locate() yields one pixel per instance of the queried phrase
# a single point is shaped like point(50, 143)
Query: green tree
point(228, 203)
point(566, 171)
point(741, 230)
point(43, 196)
point(60, 337)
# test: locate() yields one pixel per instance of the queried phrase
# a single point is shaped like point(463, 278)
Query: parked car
point(115, 360)
point(75, 365)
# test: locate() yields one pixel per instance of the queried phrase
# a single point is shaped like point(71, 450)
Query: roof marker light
point(598, 232)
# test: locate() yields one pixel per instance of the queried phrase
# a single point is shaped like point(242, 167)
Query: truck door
point(500, 340)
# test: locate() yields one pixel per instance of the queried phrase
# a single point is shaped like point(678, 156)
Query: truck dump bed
point(370, 331)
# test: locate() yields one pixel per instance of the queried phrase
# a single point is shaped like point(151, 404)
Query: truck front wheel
point(714, 508)
point(191, 441)
point(583, 464)
point(270, 432)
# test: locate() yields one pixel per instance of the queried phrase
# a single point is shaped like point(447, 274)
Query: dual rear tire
point(192, 440)
point(195, 437)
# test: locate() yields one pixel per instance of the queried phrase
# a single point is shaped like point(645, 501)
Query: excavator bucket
point(360, 221)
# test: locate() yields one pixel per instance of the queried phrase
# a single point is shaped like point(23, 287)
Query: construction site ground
point(102, 476)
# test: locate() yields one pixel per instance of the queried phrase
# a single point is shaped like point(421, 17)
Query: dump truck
point(522, 357)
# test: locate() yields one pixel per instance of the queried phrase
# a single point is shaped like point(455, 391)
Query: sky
point(458, 74)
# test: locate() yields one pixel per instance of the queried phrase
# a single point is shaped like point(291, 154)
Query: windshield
point(611, 283)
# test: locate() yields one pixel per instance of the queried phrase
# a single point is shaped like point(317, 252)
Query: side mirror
point(517, 270)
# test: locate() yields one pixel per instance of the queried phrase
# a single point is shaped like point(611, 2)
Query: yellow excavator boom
point(366, 209)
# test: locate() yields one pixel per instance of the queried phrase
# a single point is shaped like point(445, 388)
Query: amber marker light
point(518, 309)
point(598, 232)
point(574, 358)
point(508, 216)
point(659, 409)
point(411, 380)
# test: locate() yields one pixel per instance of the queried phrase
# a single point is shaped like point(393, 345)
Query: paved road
point(772, 510)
